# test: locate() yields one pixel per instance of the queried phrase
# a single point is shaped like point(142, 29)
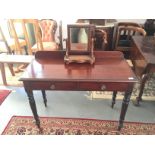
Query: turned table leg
point(33, 107)
point(124, 108)
point(44, 97)
point(114, 98)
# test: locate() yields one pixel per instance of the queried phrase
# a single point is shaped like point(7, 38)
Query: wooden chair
point(42, 42)
point(16, 44)
point(23, 23)
point(60, 36)
point(100, 39)
point(38, 45)
point(123, 37)
point(15, 24)
point(48, 29)
point(117, 25)
point(9, 58)
point(4, 48)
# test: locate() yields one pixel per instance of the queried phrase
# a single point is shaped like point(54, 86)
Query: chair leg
point(11, 69)
point(21, 68)
point(3, 73)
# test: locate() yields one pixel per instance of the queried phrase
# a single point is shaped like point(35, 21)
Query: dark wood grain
point(49, 72)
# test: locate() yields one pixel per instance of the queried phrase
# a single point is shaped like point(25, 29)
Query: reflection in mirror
point(79, 39)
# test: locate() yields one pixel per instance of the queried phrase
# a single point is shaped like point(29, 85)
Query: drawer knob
point(103, 87)
point(52, 86)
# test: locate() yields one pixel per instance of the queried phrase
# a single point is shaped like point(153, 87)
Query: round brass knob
point(52, 86)
point(103, 87)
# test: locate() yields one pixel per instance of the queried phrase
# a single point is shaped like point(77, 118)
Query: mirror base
point(79, 59)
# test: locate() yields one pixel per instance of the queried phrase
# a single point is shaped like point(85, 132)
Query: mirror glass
point(79, 38)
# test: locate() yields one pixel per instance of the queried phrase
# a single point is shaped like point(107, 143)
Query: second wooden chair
point(123, 37)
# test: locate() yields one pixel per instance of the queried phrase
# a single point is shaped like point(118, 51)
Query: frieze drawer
point(53, 85)
point(99, 86)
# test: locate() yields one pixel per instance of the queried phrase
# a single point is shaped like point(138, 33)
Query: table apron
point(76, 86)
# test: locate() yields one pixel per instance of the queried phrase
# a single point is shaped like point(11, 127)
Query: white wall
point(140, 21)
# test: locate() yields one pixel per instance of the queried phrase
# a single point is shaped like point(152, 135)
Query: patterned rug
point(3, 95)
point(24, 125)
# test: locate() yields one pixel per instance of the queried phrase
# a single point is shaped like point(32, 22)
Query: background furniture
point(101, 39)
point(19, 50)
point(17, 43)
point(44, 34)
point(102, 26)
point(37, 36)
point(60, 36)
point(12, 59)
point(149, 27)
point(99, 42)
point(48, 30)
point(109, 73)
point(4, 49)
point(116, 26)
point(122, 36)
point(143, 59)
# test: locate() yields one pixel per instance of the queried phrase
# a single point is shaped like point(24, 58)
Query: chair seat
point(46, 46)
point(11, 43)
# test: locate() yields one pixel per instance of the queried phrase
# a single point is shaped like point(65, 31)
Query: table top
point(110, 66)
point(146, 46)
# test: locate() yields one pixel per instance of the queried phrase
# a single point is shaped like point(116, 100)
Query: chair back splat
point(123, 34)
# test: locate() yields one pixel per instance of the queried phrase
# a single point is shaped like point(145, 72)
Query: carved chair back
point(123, 34)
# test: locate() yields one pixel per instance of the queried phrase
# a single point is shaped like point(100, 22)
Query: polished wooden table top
point(109, 66)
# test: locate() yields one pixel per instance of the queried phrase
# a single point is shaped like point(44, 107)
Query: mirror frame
point(86, 26)
point(80, 56)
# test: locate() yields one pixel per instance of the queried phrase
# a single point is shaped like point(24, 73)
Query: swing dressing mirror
point(79, 44)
